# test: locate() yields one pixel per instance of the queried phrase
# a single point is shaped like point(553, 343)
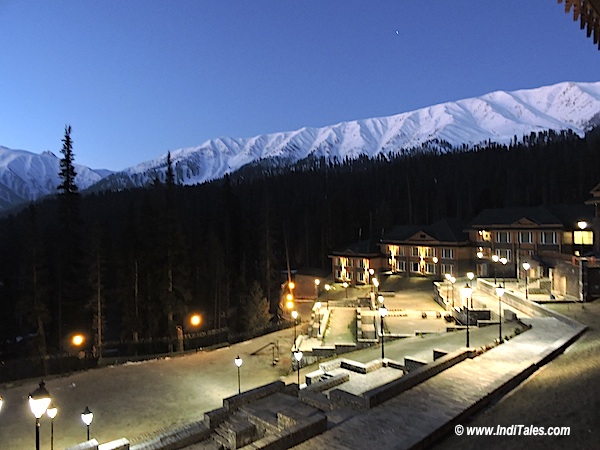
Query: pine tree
point(67, 173)
point(71, 277)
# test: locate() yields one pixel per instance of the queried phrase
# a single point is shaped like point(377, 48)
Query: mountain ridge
point(499, 117)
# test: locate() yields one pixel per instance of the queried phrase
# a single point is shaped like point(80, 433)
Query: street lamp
point(503, 261)
point(526, 267)
point(52, 411)
point(87, 416)
point(317, 283)
point(470, 276)
point(495, 258)
point(468, 293)
point(298, 357)
point(500, 293)
point(327, 288)
point(294, 316)
point(452, 280)
point(38, 402)
point(318, 308)
point(345, 285)
point(382, 314)
point(238, 362)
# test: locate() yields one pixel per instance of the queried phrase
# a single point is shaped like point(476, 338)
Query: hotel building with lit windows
point(559, 243)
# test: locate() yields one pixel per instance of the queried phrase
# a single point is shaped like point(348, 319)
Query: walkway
point(424, 413)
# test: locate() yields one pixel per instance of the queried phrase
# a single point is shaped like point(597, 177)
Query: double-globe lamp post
point(238, 362)
point(39, 400)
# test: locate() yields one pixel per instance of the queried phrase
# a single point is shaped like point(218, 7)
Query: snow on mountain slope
point(26, 176)
point(497, 117)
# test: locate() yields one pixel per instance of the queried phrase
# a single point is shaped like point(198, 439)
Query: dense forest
point(132, 265)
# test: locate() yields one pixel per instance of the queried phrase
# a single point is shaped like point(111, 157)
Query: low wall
point(234, 402)
point(528, 307)
point(289, 437)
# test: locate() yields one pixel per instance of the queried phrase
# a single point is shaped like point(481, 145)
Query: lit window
point(583, 238)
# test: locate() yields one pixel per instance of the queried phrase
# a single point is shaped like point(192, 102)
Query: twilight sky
point(137, 78)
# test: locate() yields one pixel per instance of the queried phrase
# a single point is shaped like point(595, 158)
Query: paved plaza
point(139, 400)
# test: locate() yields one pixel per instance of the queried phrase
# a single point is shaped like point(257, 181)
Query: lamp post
point(87, 416)
point(238, 362)
point(317, 283)
point(382, 314)
point(327, 288)
point(470, 276)
point(294, 316)
point(52, 411)
point(468, 293)
point(298, 357)
point(500, 293)
point(318, 308)
point(503, 261)
point(495, 258)
point(452, 281)
point(376, 286)
point(526, 267)
point(345, 285)
point(38, 402)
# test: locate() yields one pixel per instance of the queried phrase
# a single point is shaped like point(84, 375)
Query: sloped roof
point(367, 247)
point(445, 230)
point(545, 216)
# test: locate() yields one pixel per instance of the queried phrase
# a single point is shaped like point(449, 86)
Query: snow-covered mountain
point(497, 117)
point(26, 176)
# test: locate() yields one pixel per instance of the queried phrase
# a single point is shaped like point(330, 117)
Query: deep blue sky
point(137, 78)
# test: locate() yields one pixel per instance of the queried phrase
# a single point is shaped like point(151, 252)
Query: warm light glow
point(375, 282)
point(470, 275)
point(289, 304)
point(495, 258)
point(52, 411)
point(39, 401)
point(195, 320)
point(1, 401)
point(327, 287)
point(500, 291)
point(526, 266)
point(317, 282)
point(448, 276)
point(318, 305)
point(480, 255)
point(294, 314)
point(582, 224)
point(383, 311)
point(77, 340)
point(452, 280)
point(503, 260)
point(345, 284)
point(371, 272)
point(291, 285)
point(238, 361)
point(468, 290)
point(435, 260)
point(380, 299)
point(87, 416)
point(298, 355)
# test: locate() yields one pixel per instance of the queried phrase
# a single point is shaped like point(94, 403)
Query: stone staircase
point(236, 432)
